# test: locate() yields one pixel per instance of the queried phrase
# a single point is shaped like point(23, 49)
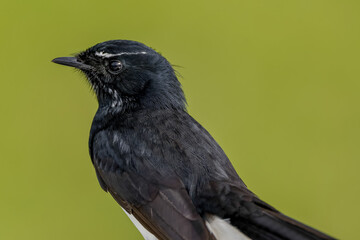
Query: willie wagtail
point(163, 168)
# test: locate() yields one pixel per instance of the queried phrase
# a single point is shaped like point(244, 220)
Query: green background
point(275, 82)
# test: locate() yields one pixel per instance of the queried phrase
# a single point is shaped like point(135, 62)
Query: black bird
point(163, 168)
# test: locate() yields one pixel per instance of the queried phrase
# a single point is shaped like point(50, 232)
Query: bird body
point(163, 168)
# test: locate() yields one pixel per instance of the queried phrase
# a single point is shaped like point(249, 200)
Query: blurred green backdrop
point(276, 83)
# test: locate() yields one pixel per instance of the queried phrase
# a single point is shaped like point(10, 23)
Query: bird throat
point(113, 102)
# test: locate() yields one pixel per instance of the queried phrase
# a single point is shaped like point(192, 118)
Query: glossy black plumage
point(159, 163)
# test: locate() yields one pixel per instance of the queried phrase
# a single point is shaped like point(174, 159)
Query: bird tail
point(273, 225)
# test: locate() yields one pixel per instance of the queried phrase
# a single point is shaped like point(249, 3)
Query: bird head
point(128, 74)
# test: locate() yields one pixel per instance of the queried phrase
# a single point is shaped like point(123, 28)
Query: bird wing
point(160, 203)
point(222, 193)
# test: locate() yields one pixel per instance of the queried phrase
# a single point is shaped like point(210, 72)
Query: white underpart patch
point(223, 230)
point(144, 232)
point(108, 55)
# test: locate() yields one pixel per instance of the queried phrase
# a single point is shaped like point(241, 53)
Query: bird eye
point(115, 66)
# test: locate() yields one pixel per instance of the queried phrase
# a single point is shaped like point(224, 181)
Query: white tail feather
point(223, 230)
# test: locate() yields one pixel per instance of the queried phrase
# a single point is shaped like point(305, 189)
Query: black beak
point(72, 62)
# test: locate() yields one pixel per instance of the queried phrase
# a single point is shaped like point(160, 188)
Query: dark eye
point(115, 66)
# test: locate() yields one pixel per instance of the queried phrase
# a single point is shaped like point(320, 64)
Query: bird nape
point(163, 168)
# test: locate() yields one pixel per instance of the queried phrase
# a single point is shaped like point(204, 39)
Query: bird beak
point(72, 62)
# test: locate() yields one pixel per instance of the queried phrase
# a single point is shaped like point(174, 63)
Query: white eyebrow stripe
point(108, 55)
